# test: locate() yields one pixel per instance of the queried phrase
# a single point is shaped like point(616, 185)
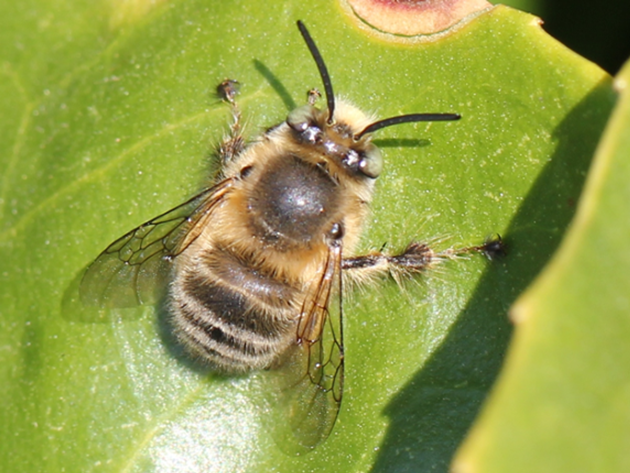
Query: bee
point(254, 263)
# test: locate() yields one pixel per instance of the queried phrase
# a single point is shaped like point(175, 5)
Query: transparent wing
point(133, 269)
point(309, 380)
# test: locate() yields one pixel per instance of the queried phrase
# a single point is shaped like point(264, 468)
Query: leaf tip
point(519, 312)
point(620, 84)
point(462, 466)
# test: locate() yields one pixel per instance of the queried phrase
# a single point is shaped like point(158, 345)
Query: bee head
point(316, 126)
point(337, 140)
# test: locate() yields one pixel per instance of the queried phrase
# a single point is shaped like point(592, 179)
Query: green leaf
point(563, 403)
point(109, 119)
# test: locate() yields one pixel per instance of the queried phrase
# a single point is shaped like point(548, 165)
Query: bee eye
point(301, 118)
point(371, 164)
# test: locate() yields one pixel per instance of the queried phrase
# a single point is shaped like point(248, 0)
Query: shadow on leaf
point(431, 415)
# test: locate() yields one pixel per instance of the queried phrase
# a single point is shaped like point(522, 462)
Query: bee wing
point(311, 373)
point(131, 270)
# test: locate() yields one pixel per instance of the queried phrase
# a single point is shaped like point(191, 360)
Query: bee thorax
point(294, 203)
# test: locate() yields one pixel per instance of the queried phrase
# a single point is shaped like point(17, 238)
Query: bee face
point(255, 262)
point(357, 157)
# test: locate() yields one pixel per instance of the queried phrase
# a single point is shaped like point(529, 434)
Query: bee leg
point(312, 96)
point(493, 248)
point(419, 256)
point(233, 144)
point(416, 257)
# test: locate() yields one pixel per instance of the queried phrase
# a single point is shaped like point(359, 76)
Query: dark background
point(599, 31)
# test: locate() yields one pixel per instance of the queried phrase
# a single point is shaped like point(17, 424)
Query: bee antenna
point(414, 117)
point(321, 66)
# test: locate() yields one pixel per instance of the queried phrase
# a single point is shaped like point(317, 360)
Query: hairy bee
point(254, 263)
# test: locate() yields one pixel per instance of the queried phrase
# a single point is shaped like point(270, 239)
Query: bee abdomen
point(223, 314)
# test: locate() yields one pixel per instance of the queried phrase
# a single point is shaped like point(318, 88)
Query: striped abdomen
point(231, 314)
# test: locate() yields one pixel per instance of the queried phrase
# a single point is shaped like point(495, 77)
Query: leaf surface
point(110, 119)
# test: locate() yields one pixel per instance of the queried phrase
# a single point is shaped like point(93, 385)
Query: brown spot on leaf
point(414, 17)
